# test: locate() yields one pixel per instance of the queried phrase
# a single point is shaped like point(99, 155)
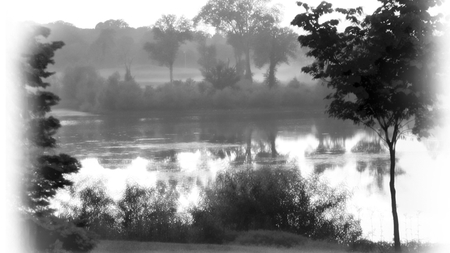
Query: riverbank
point(106, 246)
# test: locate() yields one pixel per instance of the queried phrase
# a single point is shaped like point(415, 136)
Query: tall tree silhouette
point(169, 34)
point(239, 19)
point(45, 171)
point(274, 45)
point(381, 69)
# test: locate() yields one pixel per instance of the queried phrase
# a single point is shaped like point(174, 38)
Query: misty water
point(190, 148)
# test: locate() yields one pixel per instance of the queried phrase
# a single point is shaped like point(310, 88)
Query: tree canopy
point(239, 19)
point(169, 34)
point(274, 45)
point(112, 24)
point(381, 68)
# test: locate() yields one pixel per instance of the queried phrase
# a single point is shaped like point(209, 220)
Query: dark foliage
point(47, 178)
point(52, 233)
point(44, 173)
point(274, 199)
point(145, 214)
point(95, 213)
point(266, 199)
point(382, 69)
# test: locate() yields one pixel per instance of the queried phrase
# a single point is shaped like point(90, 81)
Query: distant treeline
point(82, 88)
point(113, 46)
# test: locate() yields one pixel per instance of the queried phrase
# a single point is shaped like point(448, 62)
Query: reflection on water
point(188, 150)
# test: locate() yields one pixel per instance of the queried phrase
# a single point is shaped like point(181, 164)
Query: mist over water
point(189, 149)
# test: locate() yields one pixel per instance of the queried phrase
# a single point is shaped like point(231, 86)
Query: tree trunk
point(248, 71)
point(394, 200)
point(248, 149)
point(171, 73)
point(273, 148)
point(271, 75)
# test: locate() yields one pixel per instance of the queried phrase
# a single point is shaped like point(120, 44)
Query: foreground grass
point(141, 247)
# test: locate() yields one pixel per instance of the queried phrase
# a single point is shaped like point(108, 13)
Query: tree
point(380, 67)
point(104, 45)
point(81, 84)
point(239, 19)
point(125, 48)
point(207, 53)
point(221, 75)
point(45, 171)
point(274, 45)
point(169, 34)
point(112, 24)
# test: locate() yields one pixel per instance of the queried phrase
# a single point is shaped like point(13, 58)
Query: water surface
point(190, 148)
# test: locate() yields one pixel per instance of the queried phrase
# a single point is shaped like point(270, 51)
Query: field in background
point(155, 75)
point(141, 247)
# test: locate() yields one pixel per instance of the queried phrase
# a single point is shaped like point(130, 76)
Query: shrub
point(77, 239)
point(149, 214)
point(221, 75)
point(94, 212)
point(206, 228)
point(276, 199)
point(80, 86)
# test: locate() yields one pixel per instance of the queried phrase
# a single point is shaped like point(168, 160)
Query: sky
point(87, 13)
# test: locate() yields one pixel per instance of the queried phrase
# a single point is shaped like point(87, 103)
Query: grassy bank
point(141, 247)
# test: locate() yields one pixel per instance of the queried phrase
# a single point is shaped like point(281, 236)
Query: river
point(192, 147)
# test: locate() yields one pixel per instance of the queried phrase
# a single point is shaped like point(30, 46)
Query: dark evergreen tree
point(45, 171)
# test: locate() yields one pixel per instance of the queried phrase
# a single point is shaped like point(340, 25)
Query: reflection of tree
point(319, 168)
point(257, 146)
point(169, 155)
point(361, 166)
point(337, 145)
point(369, 146)
point(378, 168)
point(272, 137)
point(266, 137)
point(248, 148)
point(167, 159)
point(328, 145)
point(112, 161)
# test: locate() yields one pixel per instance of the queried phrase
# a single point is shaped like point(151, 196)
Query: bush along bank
point(239, 200)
